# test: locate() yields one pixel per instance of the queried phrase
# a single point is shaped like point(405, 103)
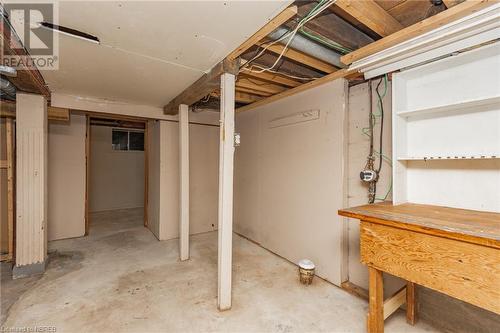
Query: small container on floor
point(306, 271)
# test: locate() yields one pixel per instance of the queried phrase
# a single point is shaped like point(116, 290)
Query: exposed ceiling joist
point(253, 92)
point(258, 85)
point(273, 78)
point(246, 97)
point(440, 19)
point(302, 58)
point(327, 78)
point(369, 13)
point(203, 86)
point(281, 18)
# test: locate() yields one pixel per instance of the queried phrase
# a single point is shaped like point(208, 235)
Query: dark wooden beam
point(203, 86)
point(8, 110)
point(28, 79)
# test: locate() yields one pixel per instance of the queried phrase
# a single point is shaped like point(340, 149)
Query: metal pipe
point(303, 44)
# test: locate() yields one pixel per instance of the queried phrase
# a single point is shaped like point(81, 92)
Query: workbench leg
point(376, 307)
point(411, 303)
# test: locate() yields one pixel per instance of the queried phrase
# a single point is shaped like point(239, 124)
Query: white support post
point(184, 182)
point(226, 157)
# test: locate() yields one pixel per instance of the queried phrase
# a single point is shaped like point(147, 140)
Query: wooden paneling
point(462, 270)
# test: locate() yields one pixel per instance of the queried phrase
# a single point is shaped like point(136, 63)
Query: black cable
point(381, 124)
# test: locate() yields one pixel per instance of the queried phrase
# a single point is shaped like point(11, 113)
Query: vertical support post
point(376, 298)
point(226, 158)
point(9, 129)
point(184, 182)
point(87, 175)
point(411, 303)
point(31, 184)
point(146, 173)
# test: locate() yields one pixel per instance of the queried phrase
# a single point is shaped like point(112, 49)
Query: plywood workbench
point(453, 251)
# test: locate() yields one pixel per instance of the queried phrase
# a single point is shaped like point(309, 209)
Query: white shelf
point(451, 157)
point(462, 105)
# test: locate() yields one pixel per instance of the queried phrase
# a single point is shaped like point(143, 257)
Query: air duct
point(307, 46)
point(7, 89)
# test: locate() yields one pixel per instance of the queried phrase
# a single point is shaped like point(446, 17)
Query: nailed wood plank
point(281, 18)
point(302, 58)
point(466, 271)
point(327, 78)
point(371, 15)
point(466, 8)
point(203, 86)
point(272, 77)
point(258, 85)
point(394, 302)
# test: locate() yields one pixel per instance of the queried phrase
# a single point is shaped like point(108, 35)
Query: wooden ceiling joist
point(327, 78)
point(302, 58)
point(243, 97)
point(369, 13)
point(463, 9)
point(273, 78)
point(281, 18)
point(258, 85)
point(252, 91)
point(203, 86)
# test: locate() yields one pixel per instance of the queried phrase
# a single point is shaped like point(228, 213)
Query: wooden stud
point(411, 303)
point(281, 18)
point(87, 176)
point(272, 77)
point(9, 129)
point(465, 8)
point(302, 58)
point(146, 173)
point(183, 182)
point(369, 13)
point(327, 78)
point(376, 306)
point(226, 160)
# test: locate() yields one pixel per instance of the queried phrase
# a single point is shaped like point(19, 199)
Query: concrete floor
point(121, 279)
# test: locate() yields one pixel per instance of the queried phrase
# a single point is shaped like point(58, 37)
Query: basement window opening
point(127, 140)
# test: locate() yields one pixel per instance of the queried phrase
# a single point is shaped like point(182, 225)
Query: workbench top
point(472, 226)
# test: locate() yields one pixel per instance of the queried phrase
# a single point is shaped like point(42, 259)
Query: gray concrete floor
point(121, 279)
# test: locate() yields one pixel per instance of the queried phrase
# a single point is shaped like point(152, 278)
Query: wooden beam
point(327, 78)
point(465, 8)
point(183, 182)
point(246, 98)
point(203, 86)
point(8, 110)
point(3, 164)
point(225, 218)
point(451, 3)
point(369, 13)
point(272, 77)
point(259, 86)
point(302, 58)
point(281, 18)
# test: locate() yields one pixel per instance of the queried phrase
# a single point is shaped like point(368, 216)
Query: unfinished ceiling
point(149, 51)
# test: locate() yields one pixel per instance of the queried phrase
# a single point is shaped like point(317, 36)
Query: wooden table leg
point(376, 307)
point(411, 303)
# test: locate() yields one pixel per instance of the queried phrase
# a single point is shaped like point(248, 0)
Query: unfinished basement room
point(250, 166)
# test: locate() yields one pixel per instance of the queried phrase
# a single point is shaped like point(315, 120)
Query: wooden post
point(87, 175)
point(146, 173)
point(10, 183)
point(411, 303)
point(226, 157)
point(184, 182)
point(376, 307)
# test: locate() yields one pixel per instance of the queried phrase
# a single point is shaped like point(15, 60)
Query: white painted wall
point(116, 177)
point(289, 179)
point(66, 180)
point(164, 178)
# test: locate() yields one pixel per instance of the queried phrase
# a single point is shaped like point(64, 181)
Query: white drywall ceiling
point(150, 51)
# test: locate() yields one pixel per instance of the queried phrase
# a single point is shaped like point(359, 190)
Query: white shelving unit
point(446, 131)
